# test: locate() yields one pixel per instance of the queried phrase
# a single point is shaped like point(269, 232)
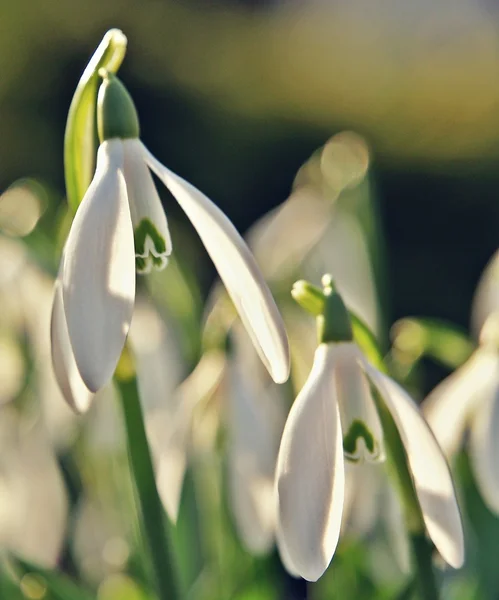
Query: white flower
point(335, 417)
point(121, 221)
point(469, 400)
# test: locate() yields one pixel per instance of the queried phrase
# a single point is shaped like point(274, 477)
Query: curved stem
point(153, 523)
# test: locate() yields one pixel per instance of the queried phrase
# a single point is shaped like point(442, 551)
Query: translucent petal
point(167, 418)
point(429, 470)
point(152, 237)
point(252, 450)
point(99, 271)
point(75, 392)
point(360, 424)
point(363, 489)
point(237, 269)
point(310, 474)
point(449, 406)
point(484, 446)
point(486, 299)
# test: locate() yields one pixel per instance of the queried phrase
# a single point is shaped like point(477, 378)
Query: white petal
point(486, 299)
point(484, 447)
point(360, 424)
point(363, 489)
point(252, 454)
point(310, 474)
point(450, 405)
point(237, 269)
point(75, 392)
point(282, 239)
point(99, 271)
point(429, 470)
point(152, 237)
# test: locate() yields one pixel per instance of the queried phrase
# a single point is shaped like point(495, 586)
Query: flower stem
point(421, 547)
point(153, 523)
point(422, 552)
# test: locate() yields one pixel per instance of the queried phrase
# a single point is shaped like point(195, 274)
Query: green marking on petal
point(150, 247)
point(140, 264)
point(359, 431)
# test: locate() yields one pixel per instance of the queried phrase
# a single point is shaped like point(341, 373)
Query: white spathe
point(469, 399)
point(119, 224)
point(310, 471)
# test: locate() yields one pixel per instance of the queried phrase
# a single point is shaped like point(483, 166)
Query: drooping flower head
point(119, 229)
point(468, 400)
point(336, 418)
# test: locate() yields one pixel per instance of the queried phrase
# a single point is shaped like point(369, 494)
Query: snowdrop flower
point(120, 227)
point(234, 392)
point(468, 400)
point(335, 418)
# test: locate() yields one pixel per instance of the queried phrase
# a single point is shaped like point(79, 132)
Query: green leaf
point(80, 135)
point(59, 586)
point(443, 342)
point(9, 589)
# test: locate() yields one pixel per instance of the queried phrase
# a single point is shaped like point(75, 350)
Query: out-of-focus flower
point(468, 400)
point(21, 206)
point(318, 228)
point(120, 222)
point(335, 417)
point(231, 391)
point(33, 503)
point(486, 299)
point(255, 412)
point(26, 297)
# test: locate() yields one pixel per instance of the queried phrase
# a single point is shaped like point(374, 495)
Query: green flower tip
point(116, 114)
point(308, 296)
point(333, 319)
point(334, 324)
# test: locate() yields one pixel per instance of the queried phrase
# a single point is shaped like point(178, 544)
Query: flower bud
point(116, 114)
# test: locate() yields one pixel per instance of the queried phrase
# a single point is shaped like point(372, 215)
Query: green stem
point(153, 524)
point(421, 548)
point(422, 551)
